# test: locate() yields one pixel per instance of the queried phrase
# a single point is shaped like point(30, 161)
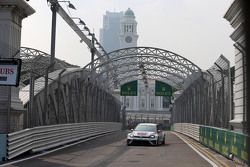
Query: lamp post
point(54, 8)
point(92, 50)
point(44, 115)
point(30, 117)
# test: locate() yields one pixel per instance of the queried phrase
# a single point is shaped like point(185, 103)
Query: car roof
point(147, 124)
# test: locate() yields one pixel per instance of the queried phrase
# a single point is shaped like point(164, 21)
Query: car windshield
point(149, 128)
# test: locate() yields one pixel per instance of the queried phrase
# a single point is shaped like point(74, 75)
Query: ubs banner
point(10, 72)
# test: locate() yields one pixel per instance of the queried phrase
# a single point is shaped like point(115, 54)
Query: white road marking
point(198, 152)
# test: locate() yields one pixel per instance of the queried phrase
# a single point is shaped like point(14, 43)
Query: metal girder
point(123, 74)
point(133, 77)
point(124, 63)
point(36, 61)
point(76, 28)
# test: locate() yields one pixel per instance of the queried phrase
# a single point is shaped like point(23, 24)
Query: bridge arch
point(37, 61)
point(68, 96)
point(157, 63)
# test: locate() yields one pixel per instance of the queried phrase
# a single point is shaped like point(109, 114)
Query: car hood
point(143, 133)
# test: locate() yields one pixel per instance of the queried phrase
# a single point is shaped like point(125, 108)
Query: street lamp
point(86, 29)
point(81, 22)
point(70, 5)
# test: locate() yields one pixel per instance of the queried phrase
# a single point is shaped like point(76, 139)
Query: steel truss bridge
point(73, 94)
point(65, 103)
point(77, 103)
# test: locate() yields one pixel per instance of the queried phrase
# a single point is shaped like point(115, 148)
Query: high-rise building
point(109, 34)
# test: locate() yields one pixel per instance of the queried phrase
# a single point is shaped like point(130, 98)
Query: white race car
point(146, 132)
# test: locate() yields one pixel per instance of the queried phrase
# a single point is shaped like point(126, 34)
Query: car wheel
point(158, 142)
point(128, 143)
point(163, 141)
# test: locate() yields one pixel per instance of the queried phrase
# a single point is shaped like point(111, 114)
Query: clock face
point(128, 39)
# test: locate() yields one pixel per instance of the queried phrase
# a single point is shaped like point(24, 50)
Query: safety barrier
point(191, 130)
point(2, 147)
point(223, 141)
point(45, 137)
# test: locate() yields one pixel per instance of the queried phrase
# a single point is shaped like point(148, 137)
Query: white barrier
point(191, 130)
point(46, 137)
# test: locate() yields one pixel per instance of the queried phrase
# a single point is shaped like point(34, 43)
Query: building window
point(126, 28)
point(152, 103)
point(142, 91)
point(152, 92)
point(106, 22)
point(127, 102)
point(130, 28)
point(142, 103)
point(165, 101)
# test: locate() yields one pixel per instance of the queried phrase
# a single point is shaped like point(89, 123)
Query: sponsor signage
point(129, 89)
point(10, 72)
point(162, 89)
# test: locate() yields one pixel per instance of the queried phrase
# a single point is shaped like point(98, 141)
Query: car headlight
point(152, 136)
point(130, 135)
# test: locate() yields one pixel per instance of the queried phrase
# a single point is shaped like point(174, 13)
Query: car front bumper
point(152, 141)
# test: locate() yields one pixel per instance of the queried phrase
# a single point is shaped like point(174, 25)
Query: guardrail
point(45, 137)
point(226, 142)
point(191, 130)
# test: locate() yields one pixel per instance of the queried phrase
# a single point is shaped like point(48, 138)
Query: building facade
point(234, 16)
point(12, 12)
point(128, 30)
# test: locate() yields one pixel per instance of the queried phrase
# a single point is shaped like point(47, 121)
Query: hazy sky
point(194, 29)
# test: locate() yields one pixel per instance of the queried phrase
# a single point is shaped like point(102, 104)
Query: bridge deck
point(111, 151)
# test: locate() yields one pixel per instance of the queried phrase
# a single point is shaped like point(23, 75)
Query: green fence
point(225, 142)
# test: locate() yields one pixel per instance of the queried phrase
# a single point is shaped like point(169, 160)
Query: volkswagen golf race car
point(146, 132)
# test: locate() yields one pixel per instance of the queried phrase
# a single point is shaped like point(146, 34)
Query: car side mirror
point(132, 130)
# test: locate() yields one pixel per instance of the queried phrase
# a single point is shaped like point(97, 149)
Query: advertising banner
point(162, 89)
point(10, 72)
point(129, 89)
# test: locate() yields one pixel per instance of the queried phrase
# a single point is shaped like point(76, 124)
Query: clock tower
point(128, 30)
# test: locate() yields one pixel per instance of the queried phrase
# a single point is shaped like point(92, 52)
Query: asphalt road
point(111, 151)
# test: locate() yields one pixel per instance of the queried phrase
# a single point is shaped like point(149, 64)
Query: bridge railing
point(208, 100)
point(46, 137)
point(68, 98)
point(191, 130)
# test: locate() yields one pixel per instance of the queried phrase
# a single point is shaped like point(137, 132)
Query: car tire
point(128, 144)
point(163, 141)
point(158, 142)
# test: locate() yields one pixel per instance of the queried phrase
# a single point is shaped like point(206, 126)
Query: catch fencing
point(208, 100)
